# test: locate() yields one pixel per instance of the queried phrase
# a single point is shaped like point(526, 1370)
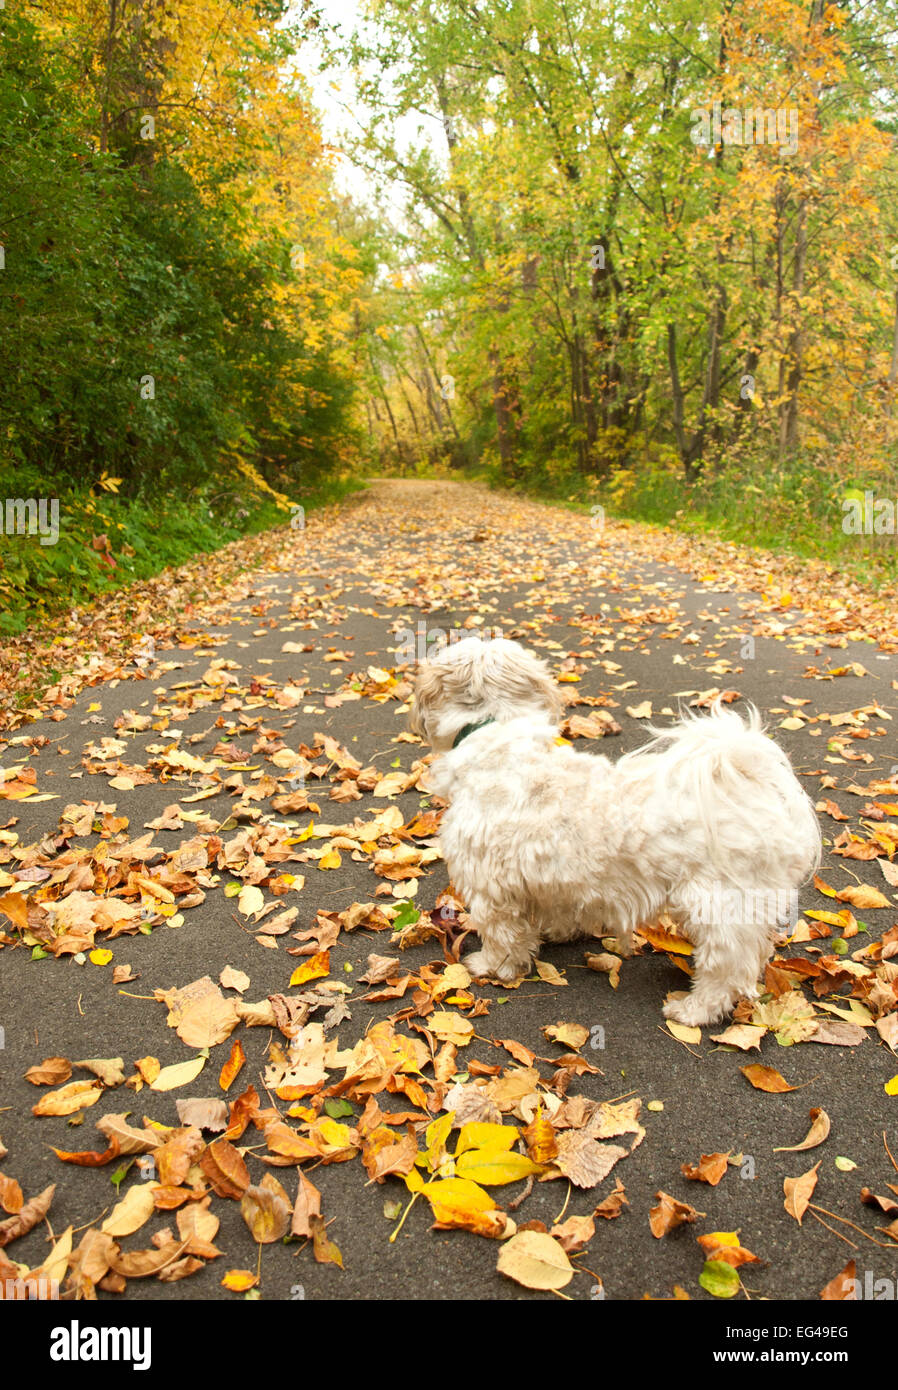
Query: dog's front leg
point(509, 941)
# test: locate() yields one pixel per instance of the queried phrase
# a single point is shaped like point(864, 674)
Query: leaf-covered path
point(248, 790)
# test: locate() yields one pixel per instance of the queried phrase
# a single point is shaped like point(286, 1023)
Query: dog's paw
point(695, 1012)
point(480, 967)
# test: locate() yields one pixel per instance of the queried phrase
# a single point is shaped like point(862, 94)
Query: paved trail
point(603, 606)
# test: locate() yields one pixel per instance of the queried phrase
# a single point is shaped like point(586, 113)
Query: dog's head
point(473, 680)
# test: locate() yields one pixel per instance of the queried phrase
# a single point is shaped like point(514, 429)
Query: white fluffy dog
point(707, 821)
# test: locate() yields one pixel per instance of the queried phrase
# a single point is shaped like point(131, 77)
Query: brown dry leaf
point(820, 1127)
point(203, 1114)
point(323, 1248)
point(724, 1246)
point(548, 973)
point(872, 1199)
point(91, 1260)
point(570, 1035)
point(307, 1205)
point(669, 1214)
point(27, 1217)
point(266, 1212)
point(745, 1036)
point(209, 1021)
point(75, 1096)
point(181, 1269)
point(175, 1156)
point(710, 1168)
point(233, 979)
point(838, 1033)
point(574, 1233)
point(393, 1158)
point(766, 1079)
point(110, 1070)
point(584, 1160)
point(51, 1072)
point(863, 895)
point(129, 1140)
point(132, 1212)
point(143, 1264)
point(799, 1192)
point(535, 1260)
point(605, 964)
point(199, 1227)
point(842, 1287)
point(225, 1169)
point(518, 1051)
point(614, 1203)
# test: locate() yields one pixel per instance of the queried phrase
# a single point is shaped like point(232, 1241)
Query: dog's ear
point(522, 675)
point(428, 689)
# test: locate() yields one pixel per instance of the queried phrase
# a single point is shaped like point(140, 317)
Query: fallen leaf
point(669, 1214)
point(799, 1192)
point(842, 1286)
point(710, 1168)
point(25, 1220)
point(535, 1261)
point(820, 1127)
point(765, 1078)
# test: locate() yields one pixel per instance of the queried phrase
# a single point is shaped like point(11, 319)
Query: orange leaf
point(225, 1169)
point(766, 1078)
point(232, 1066)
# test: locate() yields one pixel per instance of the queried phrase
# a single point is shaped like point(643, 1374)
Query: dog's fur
point(546, 843)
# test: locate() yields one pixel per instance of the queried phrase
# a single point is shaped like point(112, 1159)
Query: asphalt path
point(351, 586)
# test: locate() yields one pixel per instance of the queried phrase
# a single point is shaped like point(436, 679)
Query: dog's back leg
point(729, 955)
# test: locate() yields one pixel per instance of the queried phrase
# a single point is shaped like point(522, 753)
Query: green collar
point(469, 729)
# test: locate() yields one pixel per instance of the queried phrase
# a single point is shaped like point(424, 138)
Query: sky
point(334, 92)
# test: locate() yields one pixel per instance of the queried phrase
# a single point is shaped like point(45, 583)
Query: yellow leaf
point(312, 969)
point(494, 1167)
point(100, 956)
point(435, 1136)
point(683, 1033)
point(179, 1074)
point(480, 1135)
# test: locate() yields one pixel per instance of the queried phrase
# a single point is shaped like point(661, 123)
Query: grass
point(106, 542)
point(796, 510)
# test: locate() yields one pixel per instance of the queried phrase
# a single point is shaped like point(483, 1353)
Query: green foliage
point(137, 336)
point(106, 542)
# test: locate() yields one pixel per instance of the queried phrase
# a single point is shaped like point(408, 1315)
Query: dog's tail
point(717, 754)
